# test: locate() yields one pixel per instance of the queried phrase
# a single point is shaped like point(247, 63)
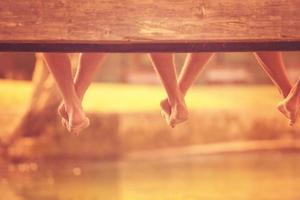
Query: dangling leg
point(193, 66)
point(273, 65)
point(88, 65)
point(290, 106)
point(164, 66)
point(60, 67)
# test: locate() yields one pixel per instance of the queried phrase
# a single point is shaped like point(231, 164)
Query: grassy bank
point(126, 118)
point(143, 98)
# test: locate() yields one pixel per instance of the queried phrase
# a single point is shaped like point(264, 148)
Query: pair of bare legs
point(72, 91)
point(173, 108)
point(176, 111)
point(271, 62)
point(273, 65)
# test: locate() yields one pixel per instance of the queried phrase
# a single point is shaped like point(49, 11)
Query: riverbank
point(125, 119)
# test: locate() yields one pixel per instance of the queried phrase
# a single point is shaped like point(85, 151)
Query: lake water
point(259, 176)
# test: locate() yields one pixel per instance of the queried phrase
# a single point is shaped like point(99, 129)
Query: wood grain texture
point(145, 25)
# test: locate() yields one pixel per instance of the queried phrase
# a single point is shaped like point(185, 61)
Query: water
point(260, 176)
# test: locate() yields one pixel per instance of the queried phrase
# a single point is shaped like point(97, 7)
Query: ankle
point(176, 102)
point(74, 107)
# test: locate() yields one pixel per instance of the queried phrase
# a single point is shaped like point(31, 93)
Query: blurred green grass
point(103, 97)
point(14, 95)
point(144, 98)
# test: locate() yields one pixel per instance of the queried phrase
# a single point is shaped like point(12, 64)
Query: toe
point(76, 129)
point(62, 111)
point(64, 123)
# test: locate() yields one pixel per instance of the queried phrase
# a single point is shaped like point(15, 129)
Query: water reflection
point(61, 180)
point(268, 175)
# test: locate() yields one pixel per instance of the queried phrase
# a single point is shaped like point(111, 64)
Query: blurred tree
point(44, 101)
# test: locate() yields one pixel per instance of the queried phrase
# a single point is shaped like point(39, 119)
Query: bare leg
point(273, 65)
point(60, 67)
point(164, 66)
point(192, 68)
point(88, 66)
point(290, 106)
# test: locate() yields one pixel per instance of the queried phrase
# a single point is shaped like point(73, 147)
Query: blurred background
point(235, 145)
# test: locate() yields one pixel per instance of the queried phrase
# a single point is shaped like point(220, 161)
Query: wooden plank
point(149, 25)
point(152, 47)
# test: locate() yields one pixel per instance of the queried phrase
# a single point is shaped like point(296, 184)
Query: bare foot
point(175, 114)
point(179, 114)
point(78, 127)
point(290, 106)
point(165, 109)
point(61, 110)
point(73, 118)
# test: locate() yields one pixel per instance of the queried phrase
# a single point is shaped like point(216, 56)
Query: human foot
point(175, 114)
point(290, 106)
point(76, 128)
point(61, 110)
point(179, 114)
point(73, 118)
point(165, 109)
